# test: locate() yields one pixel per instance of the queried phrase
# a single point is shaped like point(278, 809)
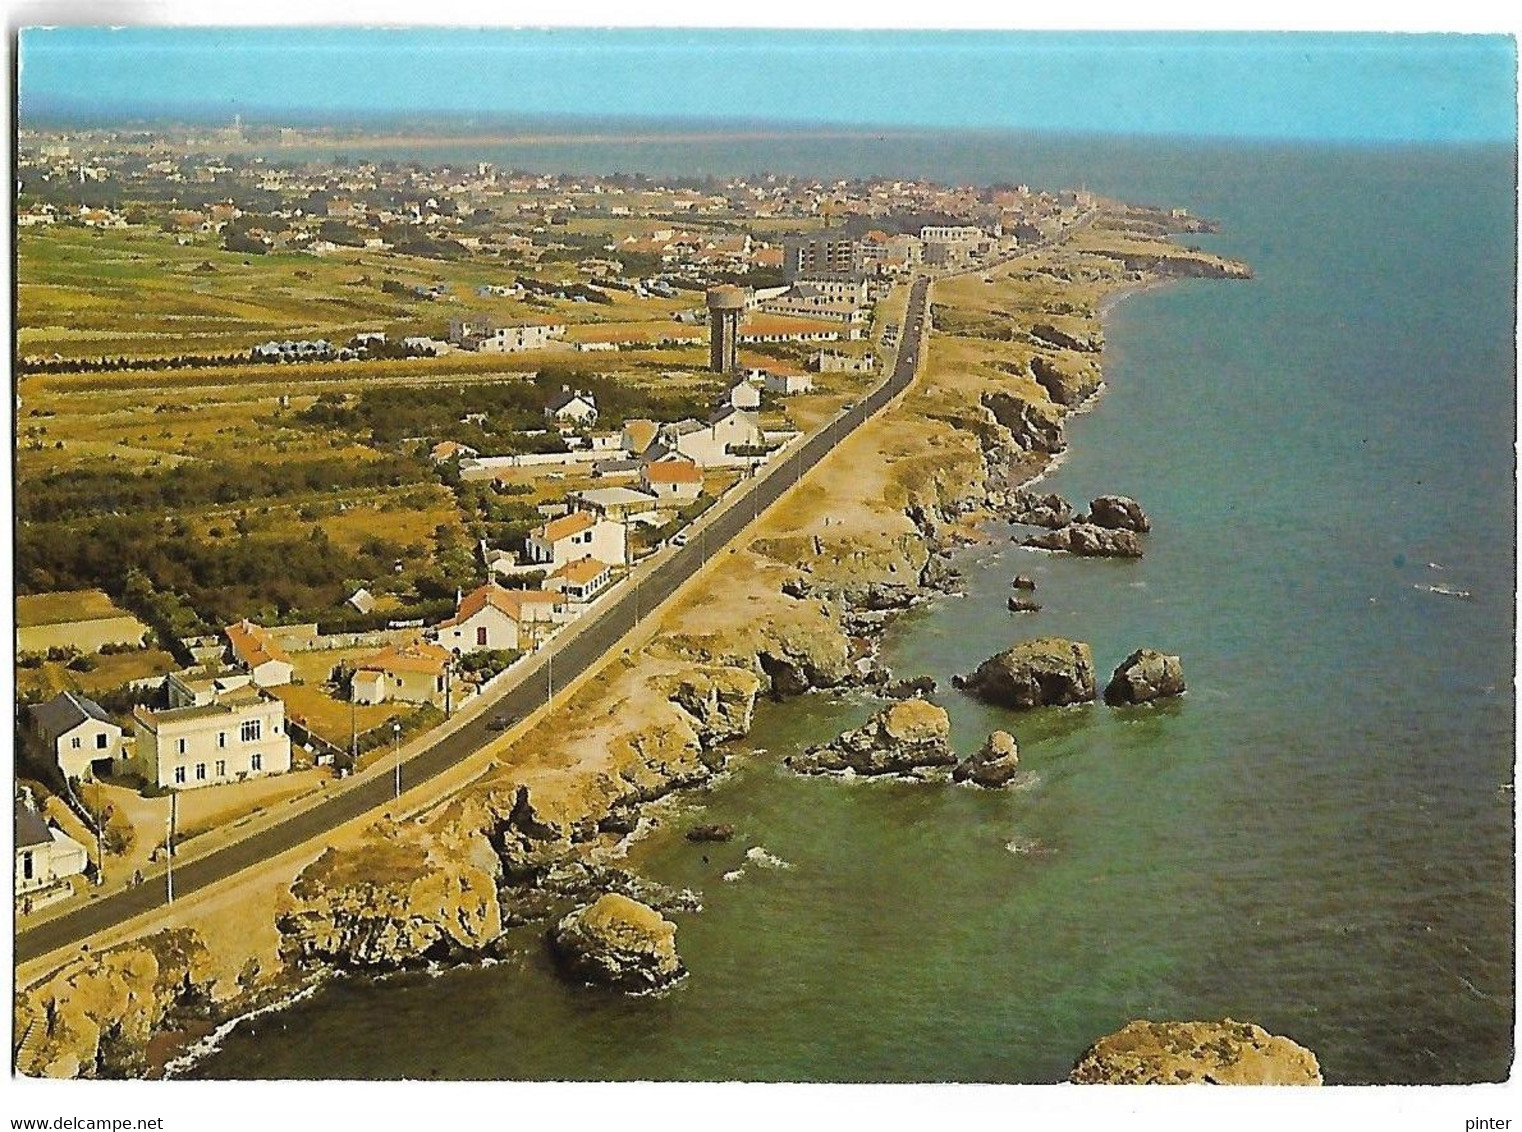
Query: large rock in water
point(1119, 512)
point(899, 739)
point(1182, 1053)
point(618, 943)
point(1145, 675)
point(1045, 671)
point(1089, 541)
point(994, 764)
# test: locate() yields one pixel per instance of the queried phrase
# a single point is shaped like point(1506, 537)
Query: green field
point(136, 292)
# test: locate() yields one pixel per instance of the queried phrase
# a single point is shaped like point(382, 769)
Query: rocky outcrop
point(1183, 1053)
point(1019, 604)
point(714, 832)
point(620, 944)
point(1119, 513)
point(96, 1015)
point(396, 904)
point(1089, 541)
point(720, 699)
point(1024, 582)
point(902, 738)
point(1042, 672)
point(1050, 510)
point(994, 764)
point(1091, 342)
point(1033, 426)
point(939, 574)
point(795, 660)
point(1069, 383)
point(1145, 675)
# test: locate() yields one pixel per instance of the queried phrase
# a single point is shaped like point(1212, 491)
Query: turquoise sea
point(1318, 837)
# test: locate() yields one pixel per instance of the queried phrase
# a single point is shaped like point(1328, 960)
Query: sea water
point(1317, 838)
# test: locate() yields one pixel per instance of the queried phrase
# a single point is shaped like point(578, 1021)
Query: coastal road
point(563, 663)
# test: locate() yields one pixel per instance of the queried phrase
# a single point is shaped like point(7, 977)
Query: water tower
point(725, 305)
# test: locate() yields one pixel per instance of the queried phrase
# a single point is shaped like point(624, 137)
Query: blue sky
point(1359, 87)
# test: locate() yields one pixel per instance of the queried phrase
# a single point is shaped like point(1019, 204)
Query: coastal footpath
point(538, 830)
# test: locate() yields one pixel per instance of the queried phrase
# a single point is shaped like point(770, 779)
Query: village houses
point(238, 735)
point(672, 481)
point(77, 734)
point(494, 617)
point(44, 856)
point(571, 408)
point(252, 648)
point(580, 581)
point(578, 535)
point(415, 673)
point(709, 444)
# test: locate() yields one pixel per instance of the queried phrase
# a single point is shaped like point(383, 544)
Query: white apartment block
point(239, 735)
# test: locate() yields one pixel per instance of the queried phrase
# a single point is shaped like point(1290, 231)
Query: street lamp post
point(100, 845)
point(396, 747)
point(169, 845)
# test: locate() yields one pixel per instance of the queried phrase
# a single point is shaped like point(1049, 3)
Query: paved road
point(709, 536)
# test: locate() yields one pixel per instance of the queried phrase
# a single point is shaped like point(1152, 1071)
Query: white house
point(487, 336)
point(672, 481)
point(239, 735)
point(582, 580)
point(571, 408)
point(197, 687)
point(44, 855)
point(580, 534)
point(708, 444)
point(78, 734)
point(415, 673)
point(253, 649)
point(742, 395)
point(494, 617)
point(617, 502)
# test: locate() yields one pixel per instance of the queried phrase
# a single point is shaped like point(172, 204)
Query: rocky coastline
point(537, 842)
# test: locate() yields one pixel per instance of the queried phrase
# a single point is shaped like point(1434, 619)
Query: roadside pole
point(169, 845)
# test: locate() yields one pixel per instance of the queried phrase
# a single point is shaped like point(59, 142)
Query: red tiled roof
point(673, 471)
point(565, 526)
point(253, 645)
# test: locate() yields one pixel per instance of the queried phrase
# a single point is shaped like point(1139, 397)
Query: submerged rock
point(1145, 675)
point(914, 686)
point(1036, 673)
point(1089, 541)
point(716, 832)
point(1119, 512)
point(899, 739)
point(1182, 1053)
point(993, 765)
point(618, 943)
